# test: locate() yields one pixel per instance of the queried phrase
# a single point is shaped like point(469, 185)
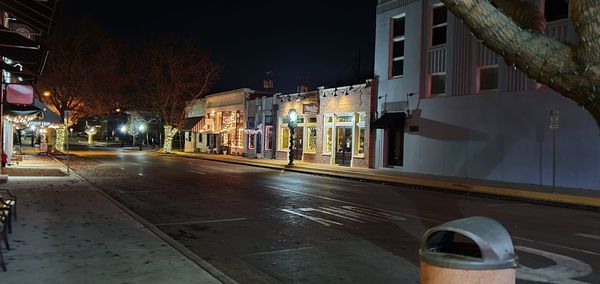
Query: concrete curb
point(557, 199)
point(166, 238)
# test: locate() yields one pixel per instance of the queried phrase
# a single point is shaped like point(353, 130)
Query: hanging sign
point(19, 94)
point(310, 108)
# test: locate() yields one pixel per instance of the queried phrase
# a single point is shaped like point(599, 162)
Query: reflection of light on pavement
point(140, 174)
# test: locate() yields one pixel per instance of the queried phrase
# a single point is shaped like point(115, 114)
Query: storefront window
point(328, 140)
point(285, 138)
point(312, 139)
point(250, 141)
point(269, 138)
point(360, 139)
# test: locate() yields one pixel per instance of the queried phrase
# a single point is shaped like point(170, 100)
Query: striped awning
point(189, 123)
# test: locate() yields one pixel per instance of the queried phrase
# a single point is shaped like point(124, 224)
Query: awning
point(390, 120)
point(21, 110)
point(189, 123)
point(26, 55)
point(35, 13)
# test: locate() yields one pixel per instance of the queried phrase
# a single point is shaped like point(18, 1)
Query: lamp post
point(292, 121)
point(141, 129)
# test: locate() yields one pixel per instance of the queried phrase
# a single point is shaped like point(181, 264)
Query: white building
point(467, 113)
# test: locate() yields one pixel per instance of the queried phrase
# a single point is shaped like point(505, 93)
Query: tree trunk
point(559, 66)
point(61, 135)
point(170, 132)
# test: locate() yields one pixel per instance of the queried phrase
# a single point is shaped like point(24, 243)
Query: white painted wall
point(502, 136)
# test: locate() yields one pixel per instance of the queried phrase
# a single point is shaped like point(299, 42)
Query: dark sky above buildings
point(318, 40)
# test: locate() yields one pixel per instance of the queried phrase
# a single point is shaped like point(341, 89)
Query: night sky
point(318, 40)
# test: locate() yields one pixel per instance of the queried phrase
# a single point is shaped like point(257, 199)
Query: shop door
point(258, 143)
point(343, 153)
point(396, 147)
point(298, 134)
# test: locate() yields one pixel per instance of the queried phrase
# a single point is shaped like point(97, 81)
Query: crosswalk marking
point(374, 212)
point(354, 214)
point(330, 213)
point(316, 219)
point(349, 213)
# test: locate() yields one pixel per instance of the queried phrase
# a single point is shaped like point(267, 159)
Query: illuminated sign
point(19, 94)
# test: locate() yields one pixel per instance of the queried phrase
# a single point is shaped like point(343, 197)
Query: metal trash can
point(470, 250)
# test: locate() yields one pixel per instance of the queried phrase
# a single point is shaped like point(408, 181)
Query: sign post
point(67, 115)
point(554, 118)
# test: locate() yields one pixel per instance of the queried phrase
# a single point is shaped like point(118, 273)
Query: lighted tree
point(513, 29)
point(175, 73)
point(136, 124)
point(91, 130)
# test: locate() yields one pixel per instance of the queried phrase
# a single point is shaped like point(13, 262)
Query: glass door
point(298, 135)
point(343, 153)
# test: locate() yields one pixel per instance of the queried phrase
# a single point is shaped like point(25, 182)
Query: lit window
point(328, 140)
point(360, 141)
point(285, 138)
point(438, 26)
point(269, 138)
point(488, 78)
point(438, 84)
point(250, 141)
point(311, 133)
point(398, 30)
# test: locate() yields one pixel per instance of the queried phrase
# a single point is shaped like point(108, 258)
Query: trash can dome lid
point(492, 240)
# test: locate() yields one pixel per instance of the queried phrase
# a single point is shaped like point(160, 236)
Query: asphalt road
point(259, 225)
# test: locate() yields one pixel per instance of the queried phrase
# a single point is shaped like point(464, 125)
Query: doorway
point(396, 147)
point(343, 153)
point(298, 146)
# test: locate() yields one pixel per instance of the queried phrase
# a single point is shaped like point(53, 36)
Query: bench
point(8, 209)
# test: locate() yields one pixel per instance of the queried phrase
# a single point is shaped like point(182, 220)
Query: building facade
point(261, 115)
point(333, 126)
point(469, 114)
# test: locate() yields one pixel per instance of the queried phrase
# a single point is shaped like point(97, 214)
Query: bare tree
point(512, 28)
point(81, 73)
point(176, 72)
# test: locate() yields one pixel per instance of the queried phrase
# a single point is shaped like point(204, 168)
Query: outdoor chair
point(4, 218)
point(10, 200)
point(8, 203)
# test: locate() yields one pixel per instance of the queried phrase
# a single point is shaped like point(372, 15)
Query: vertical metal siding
point(463, 64)
point(487, 56)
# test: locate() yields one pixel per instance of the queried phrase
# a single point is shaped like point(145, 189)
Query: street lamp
point(292, 122)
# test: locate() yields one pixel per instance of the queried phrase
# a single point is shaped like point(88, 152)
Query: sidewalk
point(69, 232)
point(584, 198)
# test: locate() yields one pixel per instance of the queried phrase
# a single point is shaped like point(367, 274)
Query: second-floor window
point(438, 25)
point(555, 10)
point(437, 84)
point(398, 30)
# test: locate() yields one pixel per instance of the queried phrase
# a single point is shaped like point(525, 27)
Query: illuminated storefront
point(333, 126)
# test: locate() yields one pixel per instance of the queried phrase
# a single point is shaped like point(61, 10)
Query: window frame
point(485, 67)
point(328, 125)
point(395, 39)
point(437, 26)
point(268, 146)
point(431, 94)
